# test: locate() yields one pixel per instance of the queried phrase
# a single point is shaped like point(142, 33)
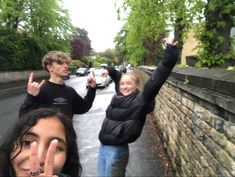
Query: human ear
point(49, 67)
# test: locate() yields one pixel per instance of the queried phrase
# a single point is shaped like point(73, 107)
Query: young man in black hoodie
point(54, 92)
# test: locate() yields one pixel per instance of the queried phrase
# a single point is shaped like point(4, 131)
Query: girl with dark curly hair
point(41, 143)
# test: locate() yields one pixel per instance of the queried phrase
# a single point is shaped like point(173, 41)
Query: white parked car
point(101, 81)
point(103, 65)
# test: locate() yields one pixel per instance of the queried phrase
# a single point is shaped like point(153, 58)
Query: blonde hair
point(134, 77)
point(54, 56)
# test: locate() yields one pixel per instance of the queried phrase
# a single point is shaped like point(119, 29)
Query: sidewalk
point(147, 157)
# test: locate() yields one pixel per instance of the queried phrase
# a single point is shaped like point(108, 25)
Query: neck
point(56, 80)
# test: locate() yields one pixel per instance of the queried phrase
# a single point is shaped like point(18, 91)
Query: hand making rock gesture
point(33, 88)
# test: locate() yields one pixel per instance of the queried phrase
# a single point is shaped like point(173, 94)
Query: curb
point(12, 88)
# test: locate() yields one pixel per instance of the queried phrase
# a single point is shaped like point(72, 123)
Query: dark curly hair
point(72, 166)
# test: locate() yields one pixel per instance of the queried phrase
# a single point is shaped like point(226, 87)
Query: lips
point(125, 92)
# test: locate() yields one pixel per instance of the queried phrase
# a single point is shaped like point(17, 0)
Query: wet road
point(9, 107)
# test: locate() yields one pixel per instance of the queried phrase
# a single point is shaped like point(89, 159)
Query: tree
point(111, 56)
point(182, 16)
point(50, 23)
point(141, 39)
point(148, 23)
point(109, 53)
point(39, 26)
point(81, 44)
point(120, 40)
point(11, 13)
point(214, 33)
point(40, 18)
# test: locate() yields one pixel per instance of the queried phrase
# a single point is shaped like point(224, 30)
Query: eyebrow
point(61, 140)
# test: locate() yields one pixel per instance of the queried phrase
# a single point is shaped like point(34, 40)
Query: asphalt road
point(9, 107)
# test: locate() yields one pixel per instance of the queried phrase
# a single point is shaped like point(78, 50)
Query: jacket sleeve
point(82, 105)
point(161, 73)
point(30, 103)
point(115, 76)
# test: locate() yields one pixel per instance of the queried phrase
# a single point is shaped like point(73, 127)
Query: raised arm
point(162, 72)
point(31, 101)
point(115, 76)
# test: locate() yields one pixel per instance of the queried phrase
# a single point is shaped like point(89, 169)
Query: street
point(9, 107)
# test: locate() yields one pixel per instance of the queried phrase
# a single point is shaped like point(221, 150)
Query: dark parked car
point(121, 68)
point(82, 72)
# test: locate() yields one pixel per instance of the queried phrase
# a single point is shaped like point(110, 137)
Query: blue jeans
point(112, 160)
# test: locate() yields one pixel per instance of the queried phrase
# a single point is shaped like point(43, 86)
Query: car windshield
point(97, 72)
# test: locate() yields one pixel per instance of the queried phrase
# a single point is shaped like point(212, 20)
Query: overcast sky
point(98, 18)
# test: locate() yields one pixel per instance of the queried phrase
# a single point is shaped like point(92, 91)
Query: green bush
point(74, 65)
point(24, 50)
point(18, 51)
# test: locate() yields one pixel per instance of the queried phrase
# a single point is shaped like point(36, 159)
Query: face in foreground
point(43, 133)
point(127, 85)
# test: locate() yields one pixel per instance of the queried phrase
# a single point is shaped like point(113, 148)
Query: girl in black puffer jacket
point(125, 116)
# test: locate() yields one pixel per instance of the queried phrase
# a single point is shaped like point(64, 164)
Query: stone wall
point(195, 111)
point(13, 76)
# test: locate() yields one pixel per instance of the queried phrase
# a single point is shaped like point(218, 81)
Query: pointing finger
point(30, 78)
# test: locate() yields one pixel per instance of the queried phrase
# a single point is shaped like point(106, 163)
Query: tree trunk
point(178, 35)
point(212, 19)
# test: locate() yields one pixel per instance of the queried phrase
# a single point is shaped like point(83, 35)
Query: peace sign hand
point(34, 87)
point(91, 82)
point(35, 168)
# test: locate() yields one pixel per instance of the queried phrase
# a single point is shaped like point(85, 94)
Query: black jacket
point(125, 116)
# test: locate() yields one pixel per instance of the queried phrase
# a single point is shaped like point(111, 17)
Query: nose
point(125, 86)
point(66, 66)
